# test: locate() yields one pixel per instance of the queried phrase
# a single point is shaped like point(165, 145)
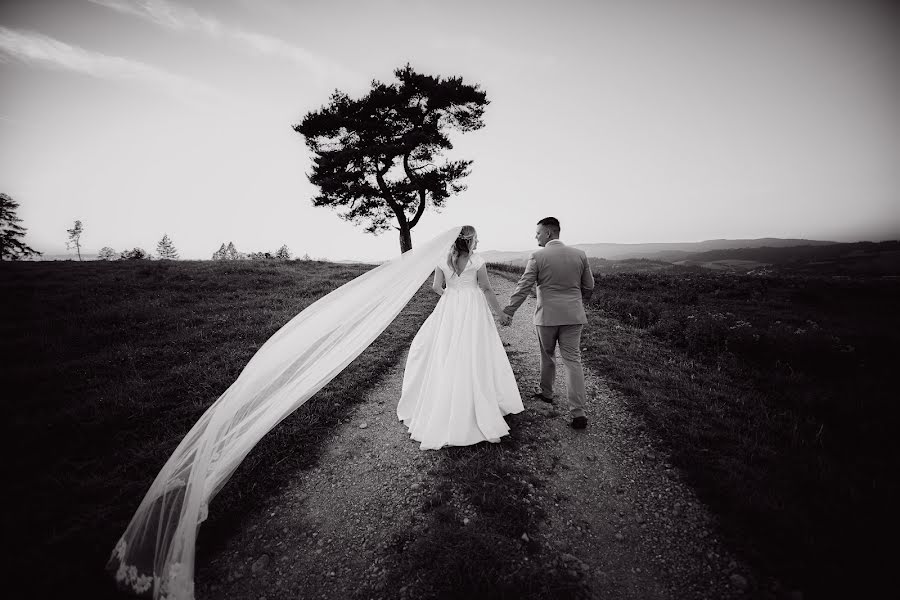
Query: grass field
point(776, 396)
point(108, 364)
point(773, 394)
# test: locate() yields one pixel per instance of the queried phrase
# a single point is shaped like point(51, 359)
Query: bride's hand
point(505, 319)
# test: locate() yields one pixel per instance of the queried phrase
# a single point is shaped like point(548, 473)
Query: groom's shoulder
point(579, 252)
point(536, 254)
point(571, 250)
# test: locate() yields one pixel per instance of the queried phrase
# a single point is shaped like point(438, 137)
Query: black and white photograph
point(477, 300)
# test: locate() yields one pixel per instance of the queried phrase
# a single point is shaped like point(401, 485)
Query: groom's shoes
point(540, 396)
point(579, 422)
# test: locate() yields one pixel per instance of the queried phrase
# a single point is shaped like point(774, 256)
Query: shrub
point(134, 254)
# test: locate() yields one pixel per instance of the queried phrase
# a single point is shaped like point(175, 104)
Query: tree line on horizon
point(13, 248)
point(165, 250)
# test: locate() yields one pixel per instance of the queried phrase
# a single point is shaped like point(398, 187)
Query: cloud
point(35, 48)
point(184, 18)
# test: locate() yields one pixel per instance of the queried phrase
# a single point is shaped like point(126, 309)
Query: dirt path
point(632, 526)
point(618, 520)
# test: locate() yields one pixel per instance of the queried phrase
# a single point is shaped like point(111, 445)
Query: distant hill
point(810, 257)
point(659, 251)
point(853, 258)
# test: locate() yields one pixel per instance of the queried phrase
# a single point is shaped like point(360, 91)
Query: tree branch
point(386, 191)
point(420, 188)
point(420, 210)
point(409, 171)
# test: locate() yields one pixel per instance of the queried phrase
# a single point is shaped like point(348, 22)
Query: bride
point(458, 383)
point(457, 386)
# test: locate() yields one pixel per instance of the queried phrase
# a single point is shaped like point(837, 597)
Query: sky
point(631, 122)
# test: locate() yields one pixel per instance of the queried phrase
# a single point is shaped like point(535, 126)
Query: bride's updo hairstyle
point(462, 245)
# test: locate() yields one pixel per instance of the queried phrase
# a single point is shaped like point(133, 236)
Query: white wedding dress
point(458, 383)
point(156, 552)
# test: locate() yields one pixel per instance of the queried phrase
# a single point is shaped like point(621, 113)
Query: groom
point(564, 280)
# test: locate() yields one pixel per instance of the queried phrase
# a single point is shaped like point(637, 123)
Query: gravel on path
point(621, 511)
point(619, 519)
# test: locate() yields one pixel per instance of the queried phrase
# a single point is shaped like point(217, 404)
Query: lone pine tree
point(379, 158)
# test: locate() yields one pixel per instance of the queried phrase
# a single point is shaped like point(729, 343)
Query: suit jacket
point(564, 281)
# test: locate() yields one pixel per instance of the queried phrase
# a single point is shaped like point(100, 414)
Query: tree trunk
point(405, 239)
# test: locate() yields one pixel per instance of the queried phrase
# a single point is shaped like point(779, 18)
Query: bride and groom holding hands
point(457, 386)
point(458, 383)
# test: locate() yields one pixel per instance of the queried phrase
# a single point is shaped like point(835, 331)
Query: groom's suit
point(564, 280)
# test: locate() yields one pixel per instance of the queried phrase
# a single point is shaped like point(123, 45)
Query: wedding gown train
point(155, 554)
point(458, 382)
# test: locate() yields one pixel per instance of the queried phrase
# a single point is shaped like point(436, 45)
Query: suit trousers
point(569, 339)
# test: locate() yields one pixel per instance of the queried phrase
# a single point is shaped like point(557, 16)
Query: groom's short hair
point(551, 223)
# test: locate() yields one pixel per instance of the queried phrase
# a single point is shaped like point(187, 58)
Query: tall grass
point(505, 268)
point(776, 395)
point(107, 366)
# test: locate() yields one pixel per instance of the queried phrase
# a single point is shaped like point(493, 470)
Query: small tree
point(106, 253)
point(75, 238)
point(283, 253)
point(166, 249)
point(231, 252)
point(11, 246)
point(228, 252)
point(379, 158)
point(306, 257)
point(260, 256)
point(135, 254)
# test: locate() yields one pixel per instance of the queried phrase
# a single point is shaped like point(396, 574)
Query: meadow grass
point(506, 268)
point(107, 366)
point(776, 397)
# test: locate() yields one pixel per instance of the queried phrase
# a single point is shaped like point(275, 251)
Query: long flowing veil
point(155, 555)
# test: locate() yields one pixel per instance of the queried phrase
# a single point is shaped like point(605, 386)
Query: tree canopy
point(74, 239)
point(228, 253)
point(283, 253)
point(166, 249)
point(379, 159)
point(134, 254)
point(11, 246)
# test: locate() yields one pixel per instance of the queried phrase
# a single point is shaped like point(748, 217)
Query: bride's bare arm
point(485, 284)
point(438, 285)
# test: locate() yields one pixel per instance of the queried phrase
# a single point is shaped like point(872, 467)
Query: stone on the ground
point(738, 581)
point(260, 563)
